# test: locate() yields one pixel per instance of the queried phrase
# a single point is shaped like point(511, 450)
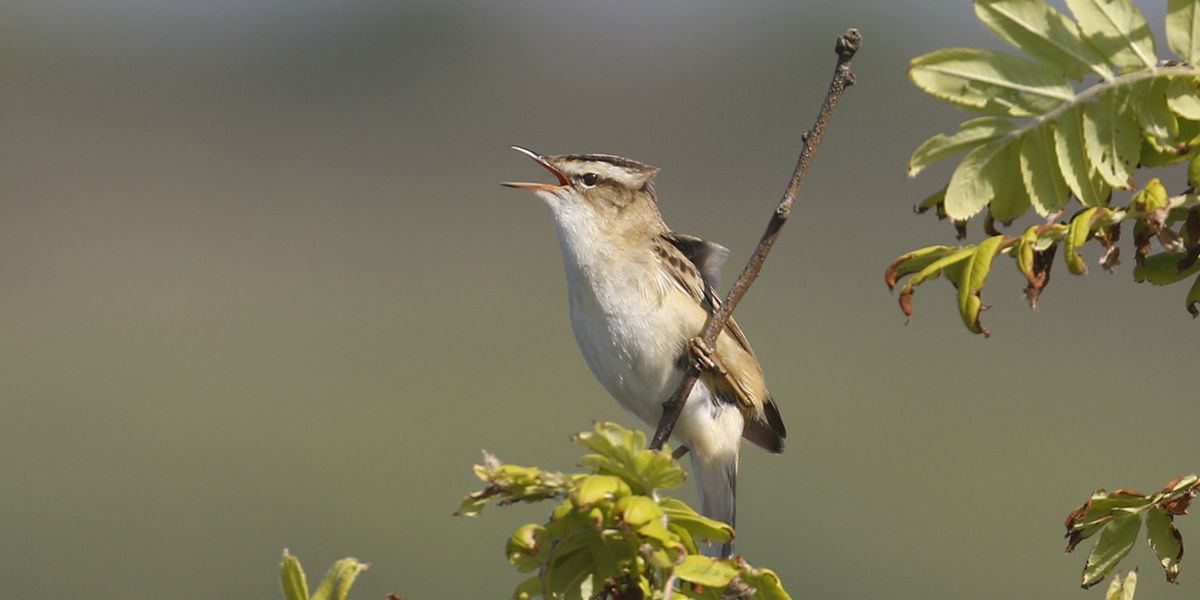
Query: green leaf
point(569, 573)
point(1122, 590)
point(766, 584)
point(1114, 542)
point(913, 262)
point(706, 571)
point(596, 488)
point(1111, 138)
point(1118, 30)
point(295, 586)
point(1193, 172)
point(988, 175)
point(1149, 101)
point(638, 510)
point(523, 548)
point(1161, 269)
point(990, 82)
point(338, 580)
point(1183, 29)
point(1077, 236)
point(974, 275)
point(1040, 31)
point(1044, 183)
point(698, 526)
point(1151, 198)
point(1166, 541)
point(1183, 97)
point(970, 134)
point(1114, 588)
point(1076, 169)
point(933, 270)
point(1130, 585)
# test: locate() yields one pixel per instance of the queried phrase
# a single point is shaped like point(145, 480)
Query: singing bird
point(639, 296)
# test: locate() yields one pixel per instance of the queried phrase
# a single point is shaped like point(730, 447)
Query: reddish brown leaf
point(960, 230)
point(989, 225)
point(1040, 277)
point(1179, 506)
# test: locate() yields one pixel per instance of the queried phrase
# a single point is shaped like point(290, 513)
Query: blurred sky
point(261, 290)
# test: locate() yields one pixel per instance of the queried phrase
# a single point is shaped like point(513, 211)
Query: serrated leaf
point(1040, 31)
point(974, 275)
point(988, 175)
point(1048, 191)
point(338, 580)
point(990, 82)
point(970, 134)
point(1166, 541)
point(1161, 269)
point(1149, 101)
point(1114, 542)
point(1087, 185)
point(706, 571)
point(1183, 97)
point(1111, 138)
point(291, 578)
point(1118, 30)
point(1183, 29)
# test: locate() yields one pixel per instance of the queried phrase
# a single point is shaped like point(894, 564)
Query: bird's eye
point(590, 179)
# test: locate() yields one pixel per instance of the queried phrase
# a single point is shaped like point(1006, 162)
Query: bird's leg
point(679, 452)
point(703, 357)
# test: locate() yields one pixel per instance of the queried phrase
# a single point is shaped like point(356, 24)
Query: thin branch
point(847, 45)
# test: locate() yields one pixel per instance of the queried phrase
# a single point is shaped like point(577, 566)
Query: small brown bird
point(639, 295)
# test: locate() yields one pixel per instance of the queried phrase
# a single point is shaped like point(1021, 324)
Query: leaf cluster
point(1115, 519)
point(612, 534)
point(335, 585)
point(1044, 143)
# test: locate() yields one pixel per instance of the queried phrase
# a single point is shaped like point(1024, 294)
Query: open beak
point(537, 187)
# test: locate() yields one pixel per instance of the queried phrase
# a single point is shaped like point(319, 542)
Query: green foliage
point(334, 586)
point(612, 534)
point(1117, 518)
point(1074, 119)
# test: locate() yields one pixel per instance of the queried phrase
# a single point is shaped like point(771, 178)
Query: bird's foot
point(703, 358)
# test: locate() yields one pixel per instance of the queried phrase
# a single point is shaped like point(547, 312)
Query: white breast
point(630, 336)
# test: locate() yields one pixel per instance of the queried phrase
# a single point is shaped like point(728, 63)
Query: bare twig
point(847, 45)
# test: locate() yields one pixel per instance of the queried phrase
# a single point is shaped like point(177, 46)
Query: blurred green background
point(261, 290)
